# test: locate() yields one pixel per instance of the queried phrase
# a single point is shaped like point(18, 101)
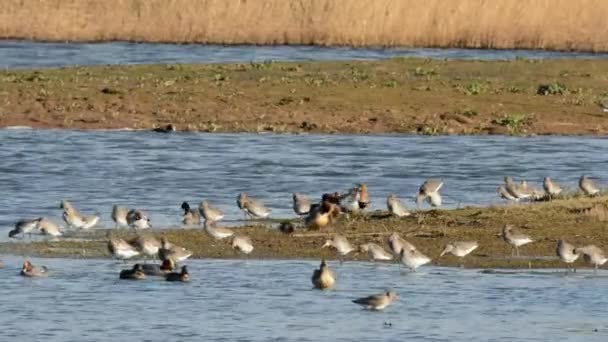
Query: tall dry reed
point(538, 24)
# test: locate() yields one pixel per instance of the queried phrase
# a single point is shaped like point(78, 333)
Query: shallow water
point(156, 172)
point(27, 54)
point(236, 300)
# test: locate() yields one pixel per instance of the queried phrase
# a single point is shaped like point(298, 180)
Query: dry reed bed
point(536, 24)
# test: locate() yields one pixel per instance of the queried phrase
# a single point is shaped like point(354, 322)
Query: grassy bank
point(393, 96)
point(579, 221)
point(539, 24)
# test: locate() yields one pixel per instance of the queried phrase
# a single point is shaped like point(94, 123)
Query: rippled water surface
point(273, 301)
point(26, 54)
point(157, 172)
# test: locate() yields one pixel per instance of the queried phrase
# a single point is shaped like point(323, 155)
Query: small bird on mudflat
point(242, 244)
point(209, 213)
point(514, 238)
point(592, 255)
point(137, 219)
point(301, 203)
point(375, 252)
point(24, 227)
point(396, 207)
point(588, 186)
point(429, 191)
point(119, 216)
point(552, 188)
point(74, 219)
point(567, 253)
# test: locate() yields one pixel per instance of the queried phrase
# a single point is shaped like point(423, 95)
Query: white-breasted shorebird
point(146, 244)
point(172, 252)
point(252, 207)
point(413, 258)
point(375, 252)
point(242, 244)
point(592, 255)
point(120, 248)
point(137, 219)
point(48, 227)
point(396, 207)
point(119, 216)
point(340, 244)
point(567, 253)
point(24, 227)
point(397, 243)
point(459, 249)
point(552, 188)
point(301, 204)
point(209, 213)
point(587, 185)
point(429, 191)
point(217, 233)
point(514, 238)
point(74, 219)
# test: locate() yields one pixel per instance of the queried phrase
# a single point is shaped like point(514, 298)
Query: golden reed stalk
point(536, 24)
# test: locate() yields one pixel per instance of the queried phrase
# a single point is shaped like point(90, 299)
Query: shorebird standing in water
point(323, 278)
point(551, 187)
point(396, 207)
point(301, 204)
point(505, 194)
point(377, 302)
point(588, 186)
point(191, 217)
point(340, 244)
point(73, 218)
point(375, 252)
point(592, 255)
point(566, 253)
point(413, 258)
point(429, 191)
point(397, 243)
point(119, 216)
point(252, 207)
point(460, 249)
point(514, 238)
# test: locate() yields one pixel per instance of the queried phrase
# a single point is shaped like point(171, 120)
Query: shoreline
point(580, 221)
point(394, 96)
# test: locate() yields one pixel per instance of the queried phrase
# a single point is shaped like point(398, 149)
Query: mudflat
point(578, 220)
point(419, 96)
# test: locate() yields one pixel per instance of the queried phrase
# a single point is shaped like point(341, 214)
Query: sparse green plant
point(420, 71)
point(515, 122)
point(474, 88)
point(554, 88)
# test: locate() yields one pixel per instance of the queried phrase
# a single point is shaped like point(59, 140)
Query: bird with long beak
point(460, 249)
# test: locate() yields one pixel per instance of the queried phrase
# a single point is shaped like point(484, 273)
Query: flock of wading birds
point(316, 216)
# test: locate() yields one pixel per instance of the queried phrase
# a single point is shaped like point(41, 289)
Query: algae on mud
point(401, 95)
point(580, 221)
